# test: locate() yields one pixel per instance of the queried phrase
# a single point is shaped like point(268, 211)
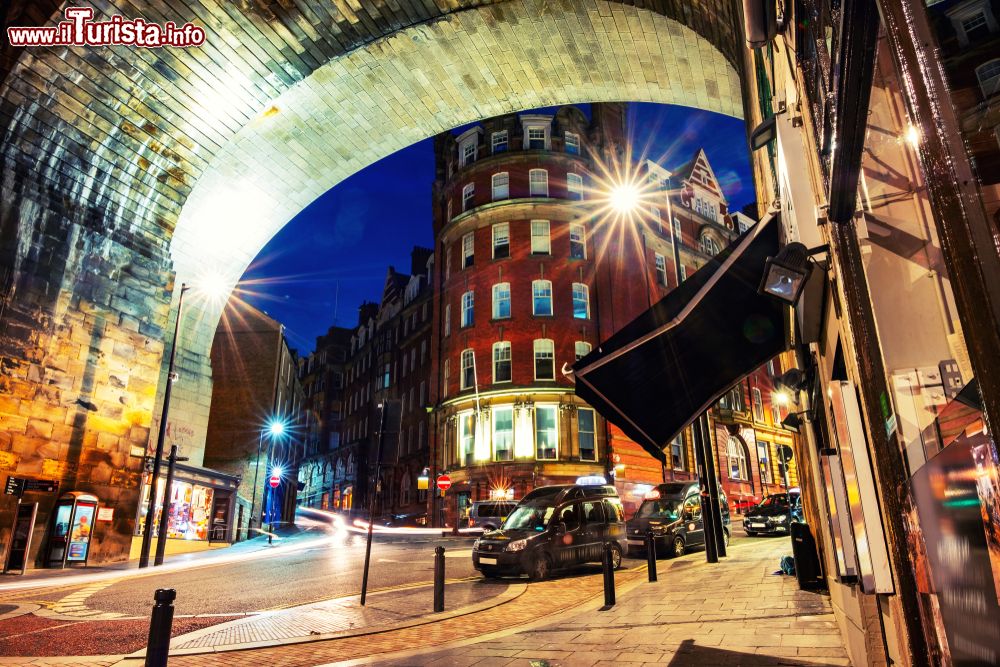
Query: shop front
point(200, 509)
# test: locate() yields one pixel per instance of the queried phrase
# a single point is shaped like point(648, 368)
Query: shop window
point(466, 437)
point(503, 433)
point(577, 241)
point(501, 186)
point(499, 141)
point(538, 183)
point(468, 195)
point(541, 243)
point(737, 460)
point(501, 362)
point(541, 297)
point(468, 303)
point(468, 250)
point(581, 301)
point(572, 143)
point(582, 349)
point(545, 367)
point(468, 379)
point(586, 429)
point(501, 301)
point(501, 240)
point(574, 186)
point(546, 432)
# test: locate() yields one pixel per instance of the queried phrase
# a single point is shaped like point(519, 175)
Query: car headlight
point(780, 519)
point(659, 530)
point(517, 545)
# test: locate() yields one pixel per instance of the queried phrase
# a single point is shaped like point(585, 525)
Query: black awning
point(659, 372)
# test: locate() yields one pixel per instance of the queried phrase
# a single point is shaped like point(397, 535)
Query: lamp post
point(147, 529)
point(275, 428)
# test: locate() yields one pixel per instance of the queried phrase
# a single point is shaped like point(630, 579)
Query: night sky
point(334, 254)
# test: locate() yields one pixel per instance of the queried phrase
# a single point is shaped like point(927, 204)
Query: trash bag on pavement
point(788, 565)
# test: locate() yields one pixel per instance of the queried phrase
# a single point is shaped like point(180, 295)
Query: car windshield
point(772, 501)
point(526, 517)
point(659, 509)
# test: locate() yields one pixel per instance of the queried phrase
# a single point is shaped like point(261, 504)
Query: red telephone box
point(71, 530)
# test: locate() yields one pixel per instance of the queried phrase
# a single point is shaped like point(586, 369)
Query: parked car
point(673, 512)
point(405, 520)
point(489, 514)
point(552, 528)
point(772, 515)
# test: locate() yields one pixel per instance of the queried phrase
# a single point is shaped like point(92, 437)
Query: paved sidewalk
point(735, 613)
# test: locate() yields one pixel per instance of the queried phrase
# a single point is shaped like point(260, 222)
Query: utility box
point(807, 566)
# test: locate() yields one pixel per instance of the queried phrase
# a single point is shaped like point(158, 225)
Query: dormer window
point(468, 146)
point(498, 142)
point(537, 132)
point(989, 78)
point(972, 21)
point(468, 152)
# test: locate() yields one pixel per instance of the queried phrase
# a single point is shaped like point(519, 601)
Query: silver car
point(489, 514)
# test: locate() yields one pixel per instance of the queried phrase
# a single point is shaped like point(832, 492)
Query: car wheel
point(677, 547)
point(749, 533)
point(541, 567)
point(725, 534)
point(616, 557)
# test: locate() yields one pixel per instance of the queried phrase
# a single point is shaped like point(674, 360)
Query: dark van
point(552, 528)
point(673, 512)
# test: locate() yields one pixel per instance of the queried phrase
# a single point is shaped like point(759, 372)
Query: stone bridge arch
point(125, 168)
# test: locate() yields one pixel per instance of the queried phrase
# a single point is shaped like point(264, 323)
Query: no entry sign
point(444, 482)
point(274, 481)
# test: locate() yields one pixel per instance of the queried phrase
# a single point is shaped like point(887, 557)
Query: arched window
point(989, 77)
point(738, 458)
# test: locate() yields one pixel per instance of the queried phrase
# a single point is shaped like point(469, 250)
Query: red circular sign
point(274, 481)
point(444, 482)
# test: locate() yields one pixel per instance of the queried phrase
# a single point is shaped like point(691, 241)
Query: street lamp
point(275, 428)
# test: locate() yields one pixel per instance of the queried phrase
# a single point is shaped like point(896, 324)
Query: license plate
point(487, 561)
point(636, 542)
point(757, 525)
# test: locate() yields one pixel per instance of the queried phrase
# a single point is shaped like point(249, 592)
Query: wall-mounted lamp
point(793, 422)
point(786, 273)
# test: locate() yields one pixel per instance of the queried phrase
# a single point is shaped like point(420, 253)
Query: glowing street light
point(275, 428)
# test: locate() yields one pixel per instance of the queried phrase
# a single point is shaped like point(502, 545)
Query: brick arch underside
point(122, 167)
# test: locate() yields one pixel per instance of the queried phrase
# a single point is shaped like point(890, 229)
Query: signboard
point(105, 513)
point(274, 481)
point(423, 483)
point(20, 539)
point(17, 486)
point(444, 482)
point(79, 536)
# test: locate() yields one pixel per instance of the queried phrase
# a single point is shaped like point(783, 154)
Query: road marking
point(458, 553)
point(73, 606)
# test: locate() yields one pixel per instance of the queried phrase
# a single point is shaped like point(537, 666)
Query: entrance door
point(595, 530)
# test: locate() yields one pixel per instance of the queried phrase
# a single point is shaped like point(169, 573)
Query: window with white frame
point(684, 273)
point(775, 410)
point(501, 240)
point(678, 237)
point(577, 241)
point(468, 308)
point(501, 362)
point(447, 319)
point(538, 183)
point(468, 151)
point(545, 361)
point(446, 373)
point(468, 250)
point(541, 240)
point(501, 301)
point(586, 434)
point(989, 77)
point(546, 431)
point(468, 379)
point(677, 457)
point(973, 21)
point(656, 220)
point(574, 186)
point(541, 297)
point(468, 195)
point(503, 433)
point(737, 460)
point(572, 143)
point(758, 404)
point(661, 269)
point(498, 141)
point(466, 437)
point(501, 186)
point(709, 246)
point(581, 301)
point(764, 461)
point(536, 138)
point(581, 349)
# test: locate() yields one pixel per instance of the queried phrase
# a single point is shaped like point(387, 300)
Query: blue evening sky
point(334, 254)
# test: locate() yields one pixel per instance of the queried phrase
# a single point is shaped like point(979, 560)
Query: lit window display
point(189, 514)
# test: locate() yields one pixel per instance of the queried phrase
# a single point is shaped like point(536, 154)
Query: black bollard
point(162, 618)
point(651, 555)
point(438, 579)
point(609, 577)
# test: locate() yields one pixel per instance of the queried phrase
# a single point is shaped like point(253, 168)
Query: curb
point(512, 593)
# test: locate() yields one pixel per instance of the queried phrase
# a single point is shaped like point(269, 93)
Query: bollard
point(651, 555)
point(438, 579)
point(609, 577)
point(160, 621)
